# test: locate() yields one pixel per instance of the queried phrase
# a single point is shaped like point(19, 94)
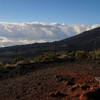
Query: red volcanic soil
point(64, 82)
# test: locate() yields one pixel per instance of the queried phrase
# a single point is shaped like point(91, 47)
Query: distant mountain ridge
point(87, 40)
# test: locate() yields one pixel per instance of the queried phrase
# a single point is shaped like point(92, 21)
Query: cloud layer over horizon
point(31, 32)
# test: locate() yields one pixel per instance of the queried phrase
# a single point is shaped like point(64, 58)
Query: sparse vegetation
point(71, 54)
point(98, 54)
point(17, 59)
point(80, 54)
point(45, 57)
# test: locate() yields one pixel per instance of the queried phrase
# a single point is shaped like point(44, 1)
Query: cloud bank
point(31, 32)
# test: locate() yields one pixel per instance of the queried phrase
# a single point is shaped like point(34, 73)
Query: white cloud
point(31, 32)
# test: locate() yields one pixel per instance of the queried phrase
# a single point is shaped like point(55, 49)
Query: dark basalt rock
point(95, 95)
point(58, 94)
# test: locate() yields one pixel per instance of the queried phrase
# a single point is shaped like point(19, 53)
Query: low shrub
point(17, 59)
point(71, 54)
point(81, 54)
point(45, 57)
point(97, 53)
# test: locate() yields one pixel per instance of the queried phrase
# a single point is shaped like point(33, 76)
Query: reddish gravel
point(67, 82)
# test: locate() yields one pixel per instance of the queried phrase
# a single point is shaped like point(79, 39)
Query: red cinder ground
point(66, 82)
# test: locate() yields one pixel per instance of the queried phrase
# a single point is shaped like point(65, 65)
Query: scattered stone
point(35, 88)
point(74, 88)
point(39, 84)
point(85, 87)
point(78, 95)
point(94, 95)
point(71, 82)
point(17, 97)
point(59, 78)
point(58, 94)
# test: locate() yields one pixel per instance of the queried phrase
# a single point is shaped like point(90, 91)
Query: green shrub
point(62, 55)
point(80, 54)
point(71, 54)
point(17, 59)
point(44, 57)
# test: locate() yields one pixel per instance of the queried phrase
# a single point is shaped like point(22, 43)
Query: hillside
point(87, 41)
point(60, 81)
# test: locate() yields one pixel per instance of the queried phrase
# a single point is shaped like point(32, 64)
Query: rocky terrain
point(63, 81)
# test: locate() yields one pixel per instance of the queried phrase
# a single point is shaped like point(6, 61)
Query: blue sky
point(30, 21)
point(67, 11)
